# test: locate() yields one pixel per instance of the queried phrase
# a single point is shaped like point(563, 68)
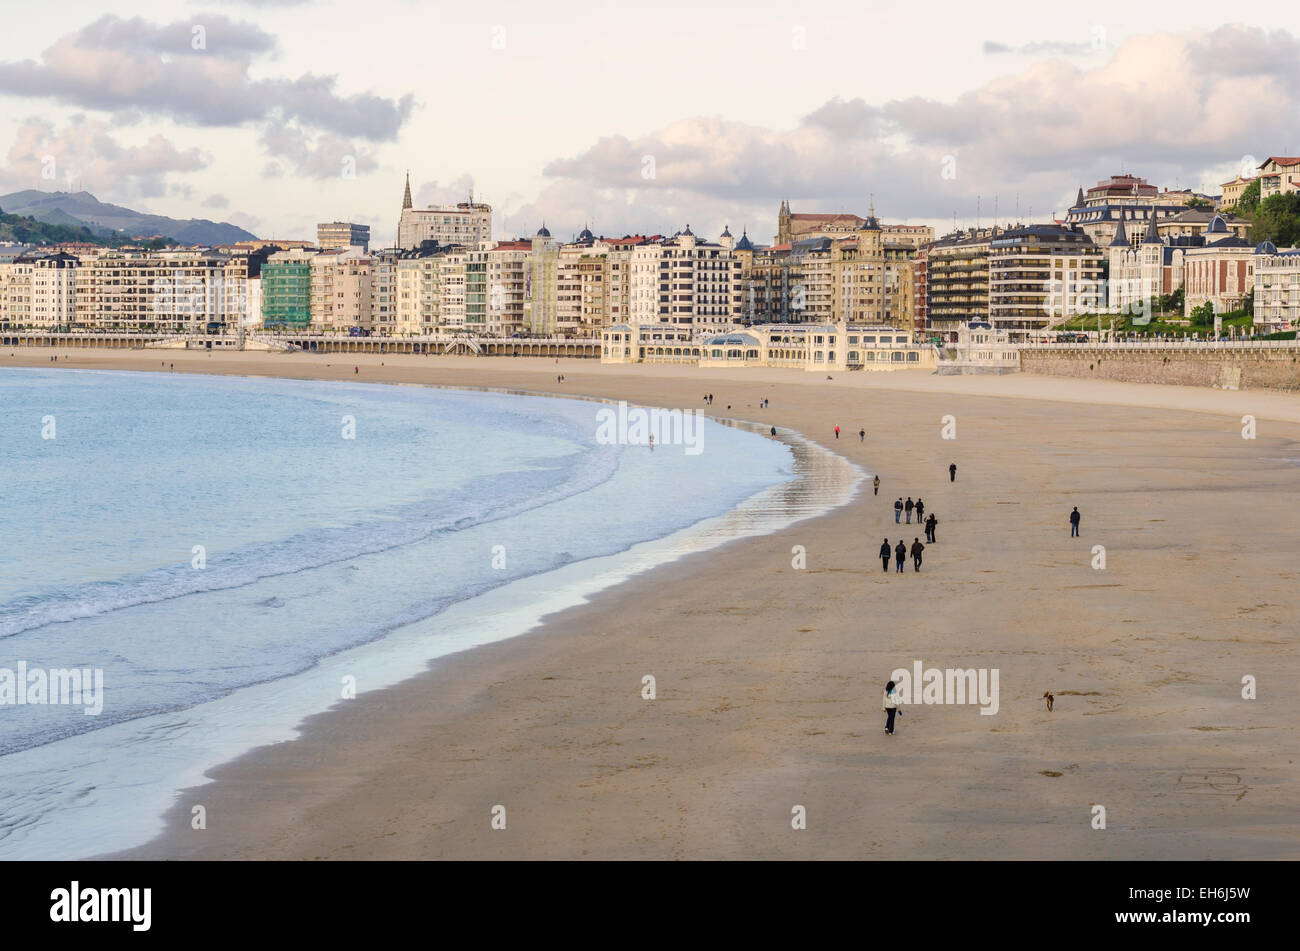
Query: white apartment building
point(52, 301)
point(685, 282)
point(507, 274)
point(185, 291)
point(1277, 288)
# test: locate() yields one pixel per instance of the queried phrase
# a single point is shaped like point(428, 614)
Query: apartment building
point(957, 280)
point(342, 234)
point(176, 291)
point(340, 290)
point(1040, 275)
point(1277, 288)
point(467, 223)
point(286, 290)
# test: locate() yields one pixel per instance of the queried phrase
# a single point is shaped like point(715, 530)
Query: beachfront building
point(467, 223)
point(1146, 264)
point(16, 289)
point(687, 282)
point(1221, 274)
point(343, 234)
point(981, 348)
point(1277, 288)
point(860, 277)
point(176, 291)
point(825, 348)
point(957, 280)
point(1279, 175)
point(52, 301)
point(419, 289)
point(286, 290)
point(383, 292)
point(340, 290)
point(507, 273)
point(1040, 275)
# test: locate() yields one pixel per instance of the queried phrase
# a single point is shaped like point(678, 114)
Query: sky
point(632, 116)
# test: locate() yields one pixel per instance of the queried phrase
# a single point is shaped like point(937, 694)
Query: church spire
point(1153, 234)
point(406, 197)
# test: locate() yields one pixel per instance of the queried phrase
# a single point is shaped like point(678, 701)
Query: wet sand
point(769, 677)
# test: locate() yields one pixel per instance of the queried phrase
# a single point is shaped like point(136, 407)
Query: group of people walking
point(900, 552)
point(909, 508)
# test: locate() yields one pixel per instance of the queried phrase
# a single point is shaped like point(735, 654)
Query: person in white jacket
point(892, 702)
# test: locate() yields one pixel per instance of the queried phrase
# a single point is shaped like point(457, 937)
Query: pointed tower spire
point(1078, 202)
point(406, 197)
point(1153, 234)
point(1121, 236)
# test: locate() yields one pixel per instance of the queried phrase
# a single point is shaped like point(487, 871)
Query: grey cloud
point(1038, 133)
point(120, 65)
point(1049, 47)
point(216, 201)
point(322, 156)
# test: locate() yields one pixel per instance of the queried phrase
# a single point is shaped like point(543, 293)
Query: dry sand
point(769, 678)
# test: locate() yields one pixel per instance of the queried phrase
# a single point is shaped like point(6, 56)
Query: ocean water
point(229, 551)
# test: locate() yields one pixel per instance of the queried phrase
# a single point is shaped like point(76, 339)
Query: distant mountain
point(75, 209)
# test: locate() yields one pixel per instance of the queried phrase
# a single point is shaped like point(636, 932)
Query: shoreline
point(768, 677)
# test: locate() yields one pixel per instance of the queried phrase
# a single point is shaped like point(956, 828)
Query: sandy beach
point(769, 678)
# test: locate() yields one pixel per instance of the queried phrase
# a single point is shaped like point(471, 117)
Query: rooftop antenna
point(995, 211)
point(977, 212)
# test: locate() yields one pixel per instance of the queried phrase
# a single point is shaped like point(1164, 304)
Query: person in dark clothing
point(898, 511)
point(884, 555)
point(920, 510)
point(862, 435)
point(952, 472)
point(917, 548)
point(900, 554)
point(930, 523)
point(773, 430)
point(1074, 523)
point(908, 509)
point(875, 485)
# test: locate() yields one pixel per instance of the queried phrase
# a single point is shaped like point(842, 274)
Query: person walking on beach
point(356, 370)
point(930, 523)
point(891, 703)
point(898, 511)
point(920, 510)
point(862, 435)
point(908, 508)
point(917, 548)
point(952, 472)
point(837, 432)
point(1074, 523)
point(900, 555)
point(773, 430)
point(884, 555)
point(875, 486)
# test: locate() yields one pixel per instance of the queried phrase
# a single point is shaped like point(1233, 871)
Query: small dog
point(1050, 700)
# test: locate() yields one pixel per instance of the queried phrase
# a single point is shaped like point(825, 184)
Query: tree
point(1277, 219)
point(1249, 199)
point(1197, 202)
point(1203, 315)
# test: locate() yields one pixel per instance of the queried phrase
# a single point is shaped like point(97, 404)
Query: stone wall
point(1225, 369)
